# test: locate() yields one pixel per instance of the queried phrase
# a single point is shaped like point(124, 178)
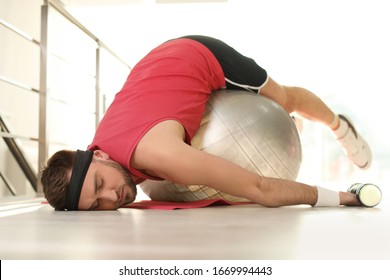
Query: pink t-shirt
point(172, 82)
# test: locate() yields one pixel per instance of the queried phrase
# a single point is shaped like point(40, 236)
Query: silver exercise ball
point(247, 129)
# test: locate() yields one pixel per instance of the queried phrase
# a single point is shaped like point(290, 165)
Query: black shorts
point(241, 72)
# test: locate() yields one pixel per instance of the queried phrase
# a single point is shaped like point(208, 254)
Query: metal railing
point(18, 155)
point(43, 141)
point(10, 138)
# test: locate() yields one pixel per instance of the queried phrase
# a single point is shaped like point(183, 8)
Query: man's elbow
point(264, 194)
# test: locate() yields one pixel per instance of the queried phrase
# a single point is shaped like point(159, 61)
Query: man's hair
point(55, 177)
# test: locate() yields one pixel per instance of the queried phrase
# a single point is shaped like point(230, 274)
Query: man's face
point(107, 185)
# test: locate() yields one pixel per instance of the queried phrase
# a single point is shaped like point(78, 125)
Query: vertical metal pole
point(43, 143)
point(97, 87)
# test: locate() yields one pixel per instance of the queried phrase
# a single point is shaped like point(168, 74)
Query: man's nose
point(108, 195)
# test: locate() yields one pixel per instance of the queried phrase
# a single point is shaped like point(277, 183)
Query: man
point(146, 134)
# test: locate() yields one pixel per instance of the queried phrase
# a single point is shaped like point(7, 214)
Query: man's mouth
point(123, 195)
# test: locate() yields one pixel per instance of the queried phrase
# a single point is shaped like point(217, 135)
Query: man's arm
point(163, 153)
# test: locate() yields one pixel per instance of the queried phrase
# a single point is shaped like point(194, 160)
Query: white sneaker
point(354, 145)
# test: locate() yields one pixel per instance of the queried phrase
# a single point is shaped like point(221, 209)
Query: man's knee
point(289, 99)
point(282, 95)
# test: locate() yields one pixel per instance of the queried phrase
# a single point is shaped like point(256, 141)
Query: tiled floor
point(35, 231)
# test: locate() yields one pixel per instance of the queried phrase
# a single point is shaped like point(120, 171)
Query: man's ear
point(100, 154)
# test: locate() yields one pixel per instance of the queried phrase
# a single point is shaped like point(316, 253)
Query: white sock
point(341, 131)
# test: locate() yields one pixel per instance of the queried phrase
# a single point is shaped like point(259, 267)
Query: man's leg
point(299, 100)
point(310, 106)
point(242, 72)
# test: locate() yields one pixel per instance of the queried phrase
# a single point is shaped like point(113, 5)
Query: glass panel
point(113, 74)
point(19, 58)
point(71, 84)
point(20, 110)
point(10, 168)
point(69, 126)
point(24, 15)
point(71, 44)
point(68, 85)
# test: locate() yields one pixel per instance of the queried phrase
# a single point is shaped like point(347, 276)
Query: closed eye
point(99, 182)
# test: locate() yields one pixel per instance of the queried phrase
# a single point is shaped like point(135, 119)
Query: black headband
point(81, 164)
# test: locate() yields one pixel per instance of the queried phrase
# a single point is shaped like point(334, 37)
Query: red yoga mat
point(165, 205)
